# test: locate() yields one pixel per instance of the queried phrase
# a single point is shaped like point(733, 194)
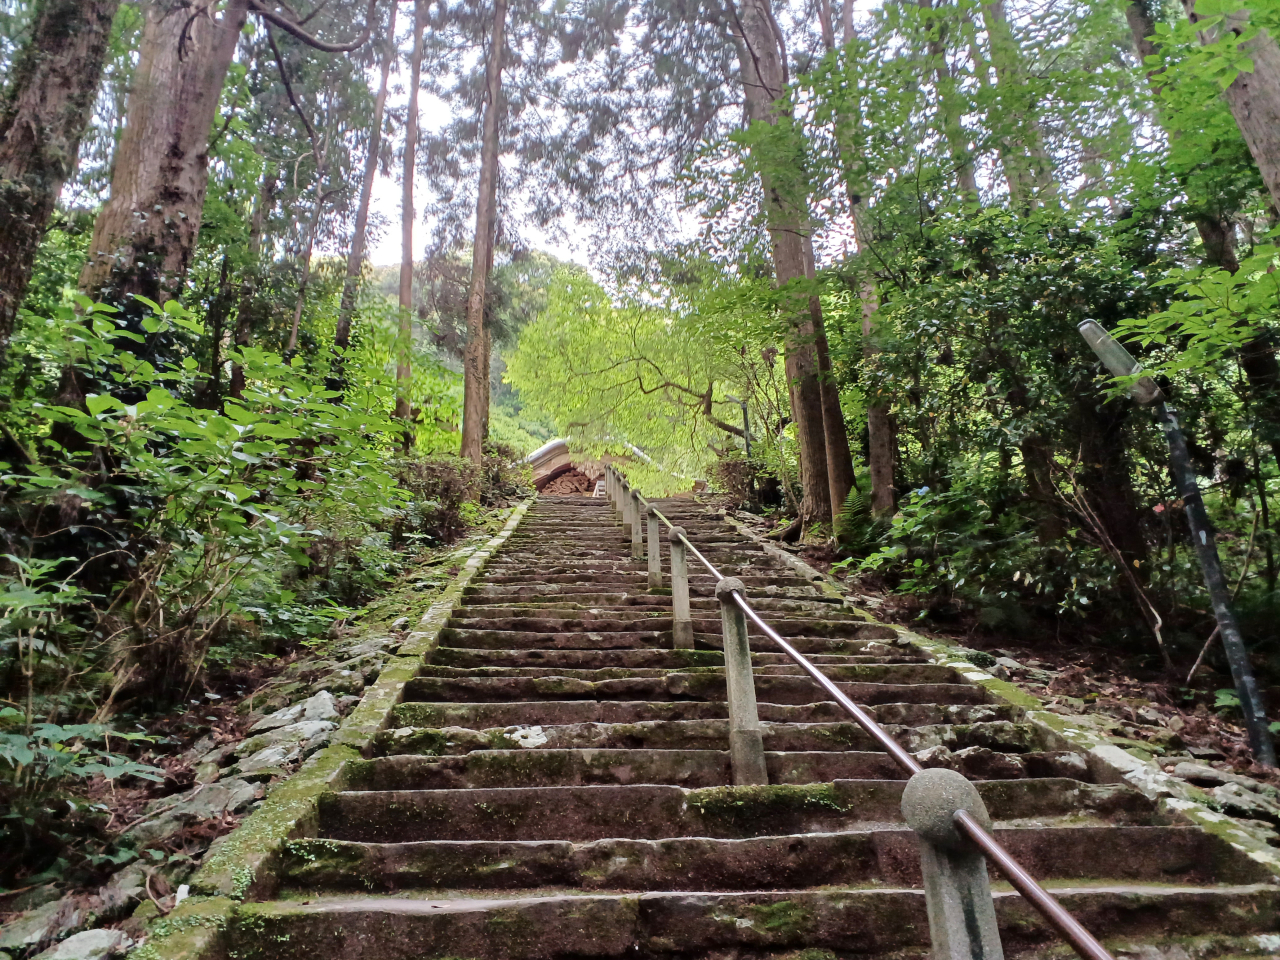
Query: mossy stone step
point(782, 924)
point(998, 736)
point(897, 673)
point(575, 767)
point(653, 811)
point(678, 686)
point(630, 640)
point(642, 658)
point(845, 858)
point(508, 713)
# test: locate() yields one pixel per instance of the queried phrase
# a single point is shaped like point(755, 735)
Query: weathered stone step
point(1165, 855)
point(479, 716)
point(653, 812)
point(533, 591)
point(677, 686)
point(636, 580)
point(998, 736)
point(821, 607)
point(548, 768)
point(632, 639)
point(750, 926)
point(897, 673)
point(790, 626)
point(875, 652)
point(662, 659)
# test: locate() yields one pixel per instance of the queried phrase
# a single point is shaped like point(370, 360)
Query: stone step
point(654, 812)
point(683, 767)
point(636, 580)
point(479, 716)
point(894, 673)
point(677, 686)
point(1166, 855)
point(533, 591)
point(779, 923)
point(647, 659)
point(546, 768)
point(1000, 736)
point(791, 626)
point(632, 640)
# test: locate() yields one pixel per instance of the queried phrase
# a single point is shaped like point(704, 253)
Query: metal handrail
point(1080, 939)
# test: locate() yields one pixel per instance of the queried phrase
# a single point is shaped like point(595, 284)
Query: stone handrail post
point(624, 508)
point(681, 621)
point(637, 527)
point(962, 916)
point(608, 483)
point(746, 740)
point(655, 549)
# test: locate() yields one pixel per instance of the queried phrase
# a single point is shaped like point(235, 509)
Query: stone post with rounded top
point(681, 621)
point(962, 916)
point(624, 507)
point(637, 527)
point(746, 740)
point(655, 548)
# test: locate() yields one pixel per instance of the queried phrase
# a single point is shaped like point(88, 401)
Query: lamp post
point(1144, 392)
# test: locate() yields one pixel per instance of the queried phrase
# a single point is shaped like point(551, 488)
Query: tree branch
point(292, 28)
point(288, 88)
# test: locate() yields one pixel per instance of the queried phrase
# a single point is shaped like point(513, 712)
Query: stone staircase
point(555, 783)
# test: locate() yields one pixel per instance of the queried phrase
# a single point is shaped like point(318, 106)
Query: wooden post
point(746, 741)
point(681, 623)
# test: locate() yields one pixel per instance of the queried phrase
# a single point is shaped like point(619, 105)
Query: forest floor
point(246, 725)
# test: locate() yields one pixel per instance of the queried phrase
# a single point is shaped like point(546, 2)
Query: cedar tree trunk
point(475, 361)
point(42, 118)
point(761, 60)
point(145, 236)
point(355, 257)
point(404, 372)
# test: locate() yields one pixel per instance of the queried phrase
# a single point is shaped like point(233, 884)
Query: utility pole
point(1144, 392)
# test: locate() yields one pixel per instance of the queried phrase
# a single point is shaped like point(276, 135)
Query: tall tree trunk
point(355, 257)
point(1254, 98)
point(42, 117)
point(210, 394)
point(304, 281)
point(404, 338)
point(762, 62)
point(1025, 159)
point(1106, 475)
point(882, 438)
point(949, 105)
point(840, 474)
point(475, 361)
point(249, 285)
point(144, 238)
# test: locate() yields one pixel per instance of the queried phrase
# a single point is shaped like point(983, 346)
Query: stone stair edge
point(238, 865)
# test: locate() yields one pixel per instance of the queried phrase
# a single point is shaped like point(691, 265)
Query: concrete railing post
point(637, 527)
point(624, 508)
point(655, 549)
point(746, 741)
point(681, 622)
point(608, 484)
point(962, 916)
